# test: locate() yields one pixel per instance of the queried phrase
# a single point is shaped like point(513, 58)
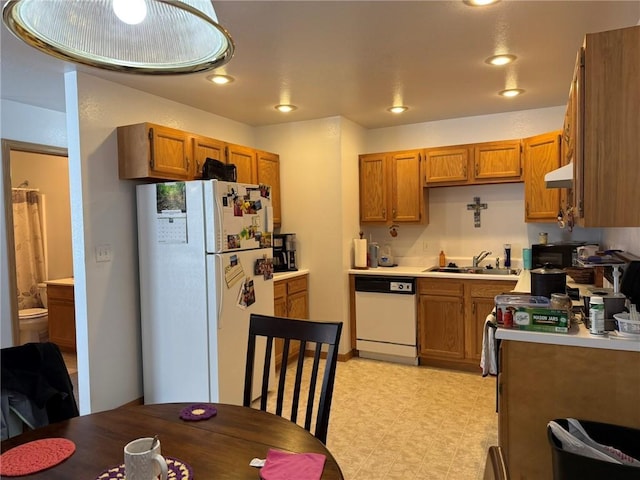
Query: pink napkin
point(292, 466)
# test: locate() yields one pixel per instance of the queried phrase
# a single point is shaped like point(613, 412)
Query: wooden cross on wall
point(476, 207)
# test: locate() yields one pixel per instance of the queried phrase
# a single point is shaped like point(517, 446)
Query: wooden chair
point(496, 466)
point(306, 332)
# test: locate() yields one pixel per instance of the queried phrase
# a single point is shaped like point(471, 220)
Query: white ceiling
point(356, 58)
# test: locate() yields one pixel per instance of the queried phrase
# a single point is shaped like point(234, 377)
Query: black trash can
point(569, 466)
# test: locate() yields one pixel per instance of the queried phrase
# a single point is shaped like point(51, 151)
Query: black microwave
point(560, 255)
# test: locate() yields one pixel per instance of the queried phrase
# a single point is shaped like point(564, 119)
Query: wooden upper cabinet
point(541, 155)
point(244, 158)
point(445, 165)
point(373, 188)
point(147, 150)
point(269, 174)
point(407, 203)
point(491, 162)
point(606, 171)
point(497, 161)
point(390, 187)
point(203, 148)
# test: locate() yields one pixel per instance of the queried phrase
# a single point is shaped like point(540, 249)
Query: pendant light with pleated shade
point(133, 36)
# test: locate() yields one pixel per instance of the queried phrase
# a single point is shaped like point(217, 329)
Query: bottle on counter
point(596, 315)
point(442, 259)
point(507, 255)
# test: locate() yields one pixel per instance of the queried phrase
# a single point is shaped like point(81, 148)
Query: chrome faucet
point(481, 256)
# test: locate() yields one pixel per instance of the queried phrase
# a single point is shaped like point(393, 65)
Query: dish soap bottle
point(442, 259)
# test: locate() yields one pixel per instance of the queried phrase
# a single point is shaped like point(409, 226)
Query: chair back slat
point(321, 334)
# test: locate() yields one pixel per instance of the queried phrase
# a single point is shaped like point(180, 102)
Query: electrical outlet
point(103, 253)
point(425, 246)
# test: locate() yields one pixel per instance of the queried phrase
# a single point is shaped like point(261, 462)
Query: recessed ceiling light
point(480, 3)
point(511, 92)
point(284, 108)
point(499, 60)
point(398, 109)
point(220, 79)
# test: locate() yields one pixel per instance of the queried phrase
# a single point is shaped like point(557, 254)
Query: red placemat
point(35, 456)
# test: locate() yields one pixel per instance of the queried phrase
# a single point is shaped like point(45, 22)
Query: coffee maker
point(284, 252)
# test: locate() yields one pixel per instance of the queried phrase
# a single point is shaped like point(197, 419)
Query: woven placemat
point(198, 411)
point(176, 470)
point(35, 456)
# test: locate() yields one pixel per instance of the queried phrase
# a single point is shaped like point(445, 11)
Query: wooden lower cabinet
point(441, 320)
point(291, 300)
point(451, 317)
point(540, 382)
point(62, 316)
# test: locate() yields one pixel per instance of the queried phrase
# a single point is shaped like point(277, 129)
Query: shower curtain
point(29, 246)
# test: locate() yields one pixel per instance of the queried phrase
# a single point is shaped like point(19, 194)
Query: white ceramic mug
point(141, 462)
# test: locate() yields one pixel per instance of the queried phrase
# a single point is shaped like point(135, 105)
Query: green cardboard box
point(524, 312)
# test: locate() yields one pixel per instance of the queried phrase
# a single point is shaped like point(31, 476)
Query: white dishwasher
point(386, 318)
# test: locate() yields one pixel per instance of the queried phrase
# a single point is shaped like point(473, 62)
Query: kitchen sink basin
point(475, 270)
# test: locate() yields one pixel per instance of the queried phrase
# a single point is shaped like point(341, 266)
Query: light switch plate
point(103, 253)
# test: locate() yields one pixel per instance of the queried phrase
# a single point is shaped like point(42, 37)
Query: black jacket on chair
point(38, 371)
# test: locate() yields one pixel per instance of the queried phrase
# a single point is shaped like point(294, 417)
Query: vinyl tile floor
point(391, 421)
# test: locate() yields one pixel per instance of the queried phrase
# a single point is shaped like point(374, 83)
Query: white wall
point(318, 185)
point(627, 239)
point(26, 124)
point(104, 213)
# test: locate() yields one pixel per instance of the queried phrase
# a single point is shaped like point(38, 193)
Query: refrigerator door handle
point(219, 289)
point(219, 221)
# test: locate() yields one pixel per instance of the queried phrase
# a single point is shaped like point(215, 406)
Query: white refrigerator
point(205, 265)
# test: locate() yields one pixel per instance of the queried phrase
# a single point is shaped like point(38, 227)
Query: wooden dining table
point(220, 447)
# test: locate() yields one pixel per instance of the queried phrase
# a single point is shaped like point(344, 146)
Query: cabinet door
point(497, 160)
point(482, 301)
point(244, 158)
point(146, 150)
point(441, 327)
point(406, 189)
point(269, 174)
point(373, 188)
point(444, 165)
point(203, 148)
point(298, 305)
point(170, 152)
point(62, 316)
point(480, 308)
point(541, 155)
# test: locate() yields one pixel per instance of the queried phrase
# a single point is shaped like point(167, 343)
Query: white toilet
point(34, 322)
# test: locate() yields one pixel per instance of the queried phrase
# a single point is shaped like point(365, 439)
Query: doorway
point(42, 170)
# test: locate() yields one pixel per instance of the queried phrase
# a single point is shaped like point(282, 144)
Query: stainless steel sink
point(475, 270)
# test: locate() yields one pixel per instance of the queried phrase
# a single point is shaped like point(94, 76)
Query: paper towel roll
point(360, 252)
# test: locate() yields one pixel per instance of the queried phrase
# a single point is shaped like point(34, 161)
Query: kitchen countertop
point(578, 335)
point(61, 281)
point(287, 275)
point(403, 271)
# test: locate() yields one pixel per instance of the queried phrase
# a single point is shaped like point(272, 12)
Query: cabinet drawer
point(490, 290)
point(298, 284)
point(60, 292)
point(280, 289)
point(440, 286)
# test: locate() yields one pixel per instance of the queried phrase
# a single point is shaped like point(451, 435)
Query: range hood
point(560, 178)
